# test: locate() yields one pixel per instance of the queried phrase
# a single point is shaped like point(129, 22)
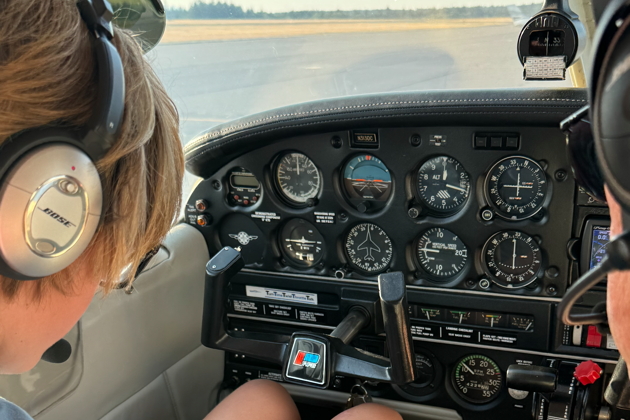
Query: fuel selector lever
point(308, 358)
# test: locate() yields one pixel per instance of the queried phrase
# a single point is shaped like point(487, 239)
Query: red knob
point(588, 372)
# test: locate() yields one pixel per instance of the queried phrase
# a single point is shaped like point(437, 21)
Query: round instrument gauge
point(513, 259)
point(366, 178)
point(443, 185)
point(425, 371)
point(477, 379)
point(301, 243)
point(368, 248)
point(297, 178)
point(441, 253)
point(516, 187)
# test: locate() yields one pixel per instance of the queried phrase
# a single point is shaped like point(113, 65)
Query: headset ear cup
point(50, 203)
point(581, 153)
point(611, 116)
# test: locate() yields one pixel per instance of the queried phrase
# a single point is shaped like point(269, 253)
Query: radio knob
point(201, 205)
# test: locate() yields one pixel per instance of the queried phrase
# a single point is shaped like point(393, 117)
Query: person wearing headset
point(86, 124)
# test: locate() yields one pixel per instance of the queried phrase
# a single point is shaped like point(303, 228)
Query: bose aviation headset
point(51, 195)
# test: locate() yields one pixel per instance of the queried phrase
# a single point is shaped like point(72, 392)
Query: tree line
point(222, 10)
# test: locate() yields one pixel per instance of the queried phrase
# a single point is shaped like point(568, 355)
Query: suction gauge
point(516, 187)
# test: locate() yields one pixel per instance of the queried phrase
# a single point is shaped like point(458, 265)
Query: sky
point(293, 5)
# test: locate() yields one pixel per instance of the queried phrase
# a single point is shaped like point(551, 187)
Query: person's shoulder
point(10, 411)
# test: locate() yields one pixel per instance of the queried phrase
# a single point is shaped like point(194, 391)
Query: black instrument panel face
point(430, 210)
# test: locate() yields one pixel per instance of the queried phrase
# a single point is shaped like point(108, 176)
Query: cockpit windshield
point(221, 61)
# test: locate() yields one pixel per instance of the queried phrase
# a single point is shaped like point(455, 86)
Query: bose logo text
point(57, 217)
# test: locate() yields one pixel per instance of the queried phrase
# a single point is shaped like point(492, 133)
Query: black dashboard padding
point(536, 107)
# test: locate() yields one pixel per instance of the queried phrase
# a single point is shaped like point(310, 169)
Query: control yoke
point(308, 358)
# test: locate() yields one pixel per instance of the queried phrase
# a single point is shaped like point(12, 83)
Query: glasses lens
point(146, 18)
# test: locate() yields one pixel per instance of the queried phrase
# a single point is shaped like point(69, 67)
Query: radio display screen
point(244, 181)
point(599, 241)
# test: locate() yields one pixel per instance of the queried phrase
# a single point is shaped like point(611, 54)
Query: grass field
point(222, 30)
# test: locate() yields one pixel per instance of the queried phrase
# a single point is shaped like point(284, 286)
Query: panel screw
point(561, 175)
point(415, 140)
point(551, 290)
point(336, 142)
point(484, 283)
point(343, 217)
point(470, 283)
point(216, 185)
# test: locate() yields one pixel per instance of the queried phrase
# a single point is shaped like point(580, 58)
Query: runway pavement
point(214, 82)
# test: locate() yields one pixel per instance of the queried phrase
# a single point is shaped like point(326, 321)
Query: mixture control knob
point(588, 372)
point(204, 220)
point(201, 205)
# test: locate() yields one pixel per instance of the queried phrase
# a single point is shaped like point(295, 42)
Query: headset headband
point(107, 117)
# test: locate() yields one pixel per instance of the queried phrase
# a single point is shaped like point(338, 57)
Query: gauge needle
point(297, 165)
point(468, 369)
point(455, 188)
point(518, 184)
point(444, 173)
point(514, 255)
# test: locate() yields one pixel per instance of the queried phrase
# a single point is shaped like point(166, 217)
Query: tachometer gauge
point(441, 253)
point(297, 178)
point(516, 187)
point(301, 243)
point(443, 185)
point(368, 248)
point(513, 259)
point(366, 178)
point(477, 379)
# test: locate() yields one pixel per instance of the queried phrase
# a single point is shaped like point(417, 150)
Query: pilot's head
point(48, 76)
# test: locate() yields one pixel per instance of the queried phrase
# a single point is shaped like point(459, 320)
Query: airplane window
point(221, 61)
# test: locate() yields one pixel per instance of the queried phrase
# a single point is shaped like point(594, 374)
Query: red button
point(299, 358)
point(246, 202)
point(593, 338)
point(254, 199)
point(588, 372)
point(236, 197)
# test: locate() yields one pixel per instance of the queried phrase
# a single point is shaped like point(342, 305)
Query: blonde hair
point(48, 76)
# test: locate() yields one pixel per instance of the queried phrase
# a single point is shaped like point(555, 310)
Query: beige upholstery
point(139, 355)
